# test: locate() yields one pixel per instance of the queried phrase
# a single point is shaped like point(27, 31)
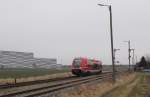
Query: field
point(22, 73)
point(27, 72)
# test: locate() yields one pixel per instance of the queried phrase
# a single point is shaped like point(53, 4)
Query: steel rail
point(50, 90)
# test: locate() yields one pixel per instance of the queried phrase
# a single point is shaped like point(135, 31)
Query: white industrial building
point(13, 59)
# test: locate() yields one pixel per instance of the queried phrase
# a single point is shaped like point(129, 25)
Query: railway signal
point(129, 51)
point(133, 61)
point(111, 36)
point(115, 55)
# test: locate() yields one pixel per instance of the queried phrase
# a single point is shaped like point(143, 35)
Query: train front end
point(79, 67)
point(76, 67)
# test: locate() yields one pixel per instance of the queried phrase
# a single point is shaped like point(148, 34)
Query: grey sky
point(65, 29)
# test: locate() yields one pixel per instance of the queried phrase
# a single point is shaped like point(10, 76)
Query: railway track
point(57, 85)
point(20, 84)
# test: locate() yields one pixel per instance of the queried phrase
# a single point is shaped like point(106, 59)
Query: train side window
point(95, 66)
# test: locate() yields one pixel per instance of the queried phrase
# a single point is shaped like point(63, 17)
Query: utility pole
point(111, 36)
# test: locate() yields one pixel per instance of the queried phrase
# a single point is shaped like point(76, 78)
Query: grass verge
point(142, 88)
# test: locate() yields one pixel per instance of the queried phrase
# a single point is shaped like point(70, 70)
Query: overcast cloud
point(65, 29)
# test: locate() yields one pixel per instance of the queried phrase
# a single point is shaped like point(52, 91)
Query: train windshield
point(76, 63)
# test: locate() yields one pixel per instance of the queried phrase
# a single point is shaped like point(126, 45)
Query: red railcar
point(85, 66)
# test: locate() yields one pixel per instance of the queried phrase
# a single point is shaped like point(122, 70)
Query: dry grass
point(99, 90)
point(122, 90)
point(51, 76)
point(142, 88)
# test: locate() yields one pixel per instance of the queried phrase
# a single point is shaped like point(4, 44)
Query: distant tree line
point(1, 66)
point(143, 64)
